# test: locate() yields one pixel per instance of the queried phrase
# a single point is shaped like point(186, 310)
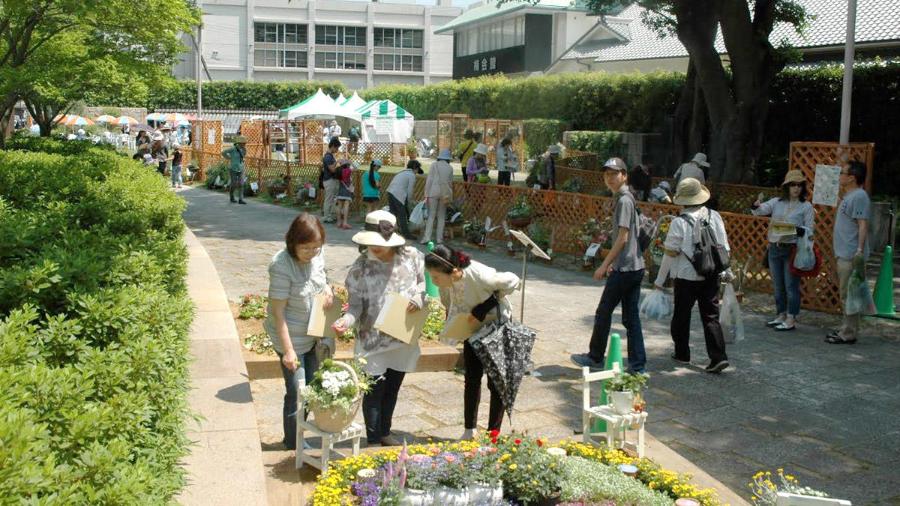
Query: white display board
point(826, 186)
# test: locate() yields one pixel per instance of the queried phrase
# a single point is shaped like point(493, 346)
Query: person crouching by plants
point(476, 290)
point(547, 176)
point(345, 194)
point(371, 186)
point(296, 276)
point(691, 287)
point(477, 164)
point(385, 265)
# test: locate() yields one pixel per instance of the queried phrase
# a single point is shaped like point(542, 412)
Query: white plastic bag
point(418, 215)
point(730, 317)
point(805, 258)
point(656, 306)
point(859, 296)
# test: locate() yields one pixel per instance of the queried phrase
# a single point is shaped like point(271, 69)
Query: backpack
point(710, 258)
point(646, 226)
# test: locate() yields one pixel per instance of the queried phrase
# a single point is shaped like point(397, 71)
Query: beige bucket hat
point(379, 231)
point(690, 193)
point(793, 176)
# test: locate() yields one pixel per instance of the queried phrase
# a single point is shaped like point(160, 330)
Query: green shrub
point(541, 133)
point(240, 94)
point(589, 481)
point(93, 342)
point(604, 144)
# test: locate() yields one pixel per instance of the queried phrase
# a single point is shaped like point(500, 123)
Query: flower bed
point(527, 470)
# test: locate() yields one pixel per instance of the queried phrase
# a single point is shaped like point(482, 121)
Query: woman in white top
point(472, 288)
point(385, 266)
point(296, 275)
point(507, 161)
point(691, 287)
point(791, 208)
point(438, 192)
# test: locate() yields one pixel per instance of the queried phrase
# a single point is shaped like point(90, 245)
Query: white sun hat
point(379, 231)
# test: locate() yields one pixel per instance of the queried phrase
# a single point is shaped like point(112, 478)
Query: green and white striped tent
point(385, 121)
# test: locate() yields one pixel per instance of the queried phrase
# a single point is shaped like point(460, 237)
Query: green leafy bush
point(604, 144)
point(265, 95)
point(590, 481)
point(541, 133)
point(93, 342)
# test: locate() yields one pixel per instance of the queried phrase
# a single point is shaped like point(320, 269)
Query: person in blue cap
point(438, 193)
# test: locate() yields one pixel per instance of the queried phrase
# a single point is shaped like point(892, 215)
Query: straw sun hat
point(379, 231)
point(690, 193)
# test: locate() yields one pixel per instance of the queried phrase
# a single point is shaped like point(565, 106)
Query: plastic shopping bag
point(804, 258)
point(859, 297)
point(656, 306)
point(418, 215)
point(730, 317)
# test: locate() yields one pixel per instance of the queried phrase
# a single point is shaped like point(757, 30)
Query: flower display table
point(354, 432)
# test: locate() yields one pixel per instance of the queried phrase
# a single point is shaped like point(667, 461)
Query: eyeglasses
point(309, 251)
point(845, 173)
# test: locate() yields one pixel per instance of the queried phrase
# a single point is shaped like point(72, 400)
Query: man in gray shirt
point(400, 195)
point(851, 245)
point(624, 267)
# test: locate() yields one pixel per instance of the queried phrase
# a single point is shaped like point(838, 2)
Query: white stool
point(354, 432)
point(617, 427)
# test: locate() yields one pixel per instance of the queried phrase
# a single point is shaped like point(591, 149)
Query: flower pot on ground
point(335, 393)
point(520, 214)
point(485, 494)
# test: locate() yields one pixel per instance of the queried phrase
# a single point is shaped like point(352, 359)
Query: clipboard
point(457, 328)
point(395, 321)
point(321, 319)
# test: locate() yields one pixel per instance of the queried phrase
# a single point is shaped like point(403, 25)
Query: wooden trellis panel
point(257, 144)
point(451, 128)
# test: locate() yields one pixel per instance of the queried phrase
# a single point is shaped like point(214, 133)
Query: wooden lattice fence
point(452, 126)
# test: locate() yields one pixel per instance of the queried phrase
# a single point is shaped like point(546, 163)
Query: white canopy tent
point(340, 99)
point(385, 121)
point(318, 106)
point(354, 102)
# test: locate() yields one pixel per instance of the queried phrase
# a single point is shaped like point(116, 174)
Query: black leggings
point(472, 392)
point(379, 404)
point(504, 177)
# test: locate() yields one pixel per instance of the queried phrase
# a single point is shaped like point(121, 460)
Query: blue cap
point(445, 155)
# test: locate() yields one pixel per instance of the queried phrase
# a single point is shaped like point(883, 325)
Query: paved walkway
point(824, 413)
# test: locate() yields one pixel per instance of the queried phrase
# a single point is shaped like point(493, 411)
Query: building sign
point(509, 61)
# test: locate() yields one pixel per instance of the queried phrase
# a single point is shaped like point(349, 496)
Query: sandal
point(774, 323)
point(836, 339)
point(781, 327)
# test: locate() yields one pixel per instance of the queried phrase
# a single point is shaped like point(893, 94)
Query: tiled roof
point(876, 20)
point(489, 9)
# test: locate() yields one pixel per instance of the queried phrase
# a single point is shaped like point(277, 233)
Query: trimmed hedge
point(605, 144)
point(93, 335)
point(265, 95)
point(539, 134)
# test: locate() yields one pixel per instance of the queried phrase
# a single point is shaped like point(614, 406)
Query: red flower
point(494, 433)
point(540, 443)
point(518, 441)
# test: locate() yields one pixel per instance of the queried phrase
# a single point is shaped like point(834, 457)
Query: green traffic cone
point(884, 287)
point(613, 355)
point(431, 289)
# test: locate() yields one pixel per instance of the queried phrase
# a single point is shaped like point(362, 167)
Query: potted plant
point(622, 390)
point(543, 237)
point(475, 232)
point(485, 475)
point(335, 393)
point(450, 480)
point(519, 215)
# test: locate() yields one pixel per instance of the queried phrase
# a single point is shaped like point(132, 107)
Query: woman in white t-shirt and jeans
point(690, 287)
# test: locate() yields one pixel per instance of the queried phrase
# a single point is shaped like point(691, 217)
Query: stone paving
point(825, 413)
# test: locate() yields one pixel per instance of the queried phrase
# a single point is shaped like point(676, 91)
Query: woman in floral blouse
point(296, 275)
point(386, 265)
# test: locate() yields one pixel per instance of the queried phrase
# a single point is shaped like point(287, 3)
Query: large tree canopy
point(723, 106)
point(56, 52)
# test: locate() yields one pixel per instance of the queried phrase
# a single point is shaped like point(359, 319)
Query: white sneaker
point(469, 434)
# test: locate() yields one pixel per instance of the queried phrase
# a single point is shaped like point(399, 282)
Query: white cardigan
point(479, 282)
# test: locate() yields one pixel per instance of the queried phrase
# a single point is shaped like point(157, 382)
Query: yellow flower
point(512, 467)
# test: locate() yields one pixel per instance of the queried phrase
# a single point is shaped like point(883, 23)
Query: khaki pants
point(331, 191)
point(850, 325)
point(437, 210)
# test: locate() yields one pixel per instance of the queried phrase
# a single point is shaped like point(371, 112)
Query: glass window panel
point(378, 37)
point(509, 33)
point(320, 35)
point(520, 30)
point(389, 37)
point(417, 39)
point(320, 59)
point(259, 32)
point(407, 39)
point(473, 42)
point(417, 63)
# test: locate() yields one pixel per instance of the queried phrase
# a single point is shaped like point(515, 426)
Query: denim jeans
point(306, 370)
point(176, 175)
point(379, 404)
point(787, 286)
point(624, 287)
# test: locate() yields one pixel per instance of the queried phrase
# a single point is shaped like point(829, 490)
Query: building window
point(340, 60)
point(398, 49)
point(398, 38)
point(280, 45)
point(398, 63)
point(491, 37)
point(332, 35)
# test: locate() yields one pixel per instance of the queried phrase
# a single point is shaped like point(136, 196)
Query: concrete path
point(825, 413)
point(225, 464)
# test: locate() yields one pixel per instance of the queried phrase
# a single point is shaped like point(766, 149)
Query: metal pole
point(199, 142)
point(847, 94)
point(524, 273)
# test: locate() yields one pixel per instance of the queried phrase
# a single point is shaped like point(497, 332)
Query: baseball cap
point(615, 164)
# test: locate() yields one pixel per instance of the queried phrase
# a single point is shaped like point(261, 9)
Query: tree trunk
point(7, 108)
point(683, 120)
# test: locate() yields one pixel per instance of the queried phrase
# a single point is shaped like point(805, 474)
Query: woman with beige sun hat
point(792, 217)
point(690, 287)
point(386, 265)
